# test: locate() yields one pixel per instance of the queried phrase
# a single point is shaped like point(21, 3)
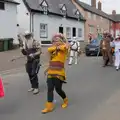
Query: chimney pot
point(93, 3)
point(114, 12)
point(99, 5)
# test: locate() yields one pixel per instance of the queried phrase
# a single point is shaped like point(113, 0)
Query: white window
point(68, 32)
point(43, 31)
point(94, 17)
point(45, 10)
point(45, 7)
point(64, 10)
point(79, 32)
point(101, 18)
point(89, 15)
point(91, 29)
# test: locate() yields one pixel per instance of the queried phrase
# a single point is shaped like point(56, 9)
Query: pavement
point(93, 92)
point(7, 56)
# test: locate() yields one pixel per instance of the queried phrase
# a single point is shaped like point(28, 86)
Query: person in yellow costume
point(56, 71)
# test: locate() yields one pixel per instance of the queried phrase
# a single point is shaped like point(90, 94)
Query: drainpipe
point(30, 21)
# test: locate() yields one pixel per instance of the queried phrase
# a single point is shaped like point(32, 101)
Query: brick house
point(115, 26)
point(97, 21)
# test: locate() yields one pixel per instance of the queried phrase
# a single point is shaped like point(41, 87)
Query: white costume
point(116, 44)
point(74, 49)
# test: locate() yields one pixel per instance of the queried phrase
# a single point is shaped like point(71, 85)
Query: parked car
point(93, 48)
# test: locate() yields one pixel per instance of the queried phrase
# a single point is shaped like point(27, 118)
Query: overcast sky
point(107, 6)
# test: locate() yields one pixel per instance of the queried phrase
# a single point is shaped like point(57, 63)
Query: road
point(93, 92)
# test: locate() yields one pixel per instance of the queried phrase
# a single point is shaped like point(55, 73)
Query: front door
point(61, 30)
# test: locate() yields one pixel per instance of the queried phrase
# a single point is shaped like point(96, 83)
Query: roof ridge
point(93, 9)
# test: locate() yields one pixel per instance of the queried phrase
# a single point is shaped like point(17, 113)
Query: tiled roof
point(93, 10)
point(115, 17)
point(53, 7)
point(11, 1)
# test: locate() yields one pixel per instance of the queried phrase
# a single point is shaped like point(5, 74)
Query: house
point(48, 17)
point(97, 21)
point(115, 26)
point(8, 19)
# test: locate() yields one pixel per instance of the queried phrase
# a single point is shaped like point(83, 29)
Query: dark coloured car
point(93, 48)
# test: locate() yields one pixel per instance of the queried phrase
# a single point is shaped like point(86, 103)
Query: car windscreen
point(95, 42)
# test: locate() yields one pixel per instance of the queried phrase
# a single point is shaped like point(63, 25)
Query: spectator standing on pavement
point(56, 72)
point(116, 45)
point(32, 49)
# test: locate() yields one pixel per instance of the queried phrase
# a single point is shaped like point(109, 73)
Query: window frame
point(68, 32)
point(79, 33)
point(46, 31)
point(91, 29)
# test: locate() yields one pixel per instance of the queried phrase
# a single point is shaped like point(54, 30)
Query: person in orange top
point(56, 71)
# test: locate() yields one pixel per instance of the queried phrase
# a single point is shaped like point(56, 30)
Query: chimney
point(93, 3)
point(99, 5)
point(114, 12)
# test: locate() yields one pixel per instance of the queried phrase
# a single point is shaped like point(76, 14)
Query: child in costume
point(56, 71)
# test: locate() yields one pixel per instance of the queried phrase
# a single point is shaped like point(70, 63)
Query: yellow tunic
point(56, 65)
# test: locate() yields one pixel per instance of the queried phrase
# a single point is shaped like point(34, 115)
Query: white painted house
point(8, 19)
point(48, 17)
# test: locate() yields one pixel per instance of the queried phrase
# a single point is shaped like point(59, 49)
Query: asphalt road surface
point(93, 92)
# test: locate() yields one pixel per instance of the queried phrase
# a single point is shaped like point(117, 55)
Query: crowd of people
point(110, 48)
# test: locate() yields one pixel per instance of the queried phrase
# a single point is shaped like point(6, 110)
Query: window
point(63, 12)
point(79, 32)
point(89, 15)
point(77, 13)
point(45, 7)
point(45, 10)
point(43, 31)
point(101, 18)
point(94, 17)
point(2, 5)
point(91, 29)
point(68, 32)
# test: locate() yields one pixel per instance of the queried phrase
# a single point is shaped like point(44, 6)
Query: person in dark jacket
point(32, 50)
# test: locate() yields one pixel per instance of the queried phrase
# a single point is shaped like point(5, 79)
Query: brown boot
point(65, 103)
point(49, 108)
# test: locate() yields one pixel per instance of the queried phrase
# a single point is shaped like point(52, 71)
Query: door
point(74, 32)
point(61, 30)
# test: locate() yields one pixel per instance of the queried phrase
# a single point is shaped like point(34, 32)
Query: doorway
point(74, 32)
point(61, 30)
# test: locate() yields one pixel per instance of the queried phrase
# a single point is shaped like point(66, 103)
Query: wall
point(23, 17)
point(54, 23)
point(98, 23)
point(104, 23)
point(8, 21)
point(115, 29)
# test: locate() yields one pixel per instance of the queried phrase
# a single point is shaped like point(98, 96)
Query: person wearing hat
point(116, 45)
point(32, 50)
point(106, 49)
point(56, 75)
